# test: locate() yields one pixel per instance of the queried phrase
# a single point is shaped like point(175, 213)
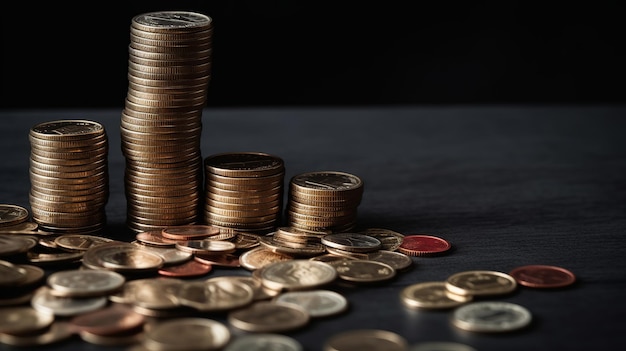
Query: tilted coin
point(192, 333)
point(170, 255)
point(11, 215)
point(363, 271)
point(85, 283)
point(11, 274)
point(45, 301)
point(27, 228)
point(318, 303)
point(397, 260)
point(264, 341)
point(431, 295)
point(366, 339)
point(260, 292)
point(305, 249)
point(481, 283)
point(23, 320)
point(215, 295)
point(491, 316)
point(353, 242)
point(79, 241)
point(16, 244)
point(424, 245)
point(268, 317)
point(260, 257)
point(297, 274)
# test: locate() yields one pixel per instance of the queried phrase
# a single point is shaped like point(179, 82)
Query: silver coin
point(44, 301)
point(491, 316)
point(318, 303)
point(187, 334)
point(84, 282)
point(264, 342)
point(353, 242)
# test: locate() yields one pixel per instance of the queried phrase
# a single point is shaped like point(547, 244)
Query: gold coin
point(11, 215)
point(481, 283)
point(244, 164)
point(431, 295)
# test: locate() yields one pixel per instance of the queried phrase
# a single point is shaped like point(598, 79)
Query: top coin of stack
point(168, 75)
point(324, 201)
point(244, 191)
point(69, 175)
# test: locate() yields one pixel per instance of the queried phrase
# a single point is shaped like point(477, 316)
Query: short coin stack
point(168, 76)
point(69, 176)
point(244, 191)
point(324, 201)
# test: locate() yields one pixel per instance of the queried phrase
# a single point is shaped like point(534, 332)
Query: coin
point(84, 283)
point(366, 339)
point(297, 274)
point(45, 301)
point(11, 274)
point(431, 295)
point(491, 316)
point(268, 317)
point(397, 260)
point(187, 269)
point(423, 245)
point(188, 232)
point(206, 246)
point(215, 295)
point(192, 333)
point(353, 242)
point(389, 239)
point(12, 215)
point(79, 241)
point(260, 257)
point(440, 346)
point(244, 164)
point(264, 341)
point(114, 319)
point(23, 319)
point(152, 293)
point(481, 283)
point(363, 271)
point(543, 276)
point(317, 303)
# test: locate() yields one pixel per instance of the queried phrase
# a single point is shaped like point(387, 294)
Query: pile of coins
point(161, 124)
point(324, 201)
point(244, 191)
point(69, 176)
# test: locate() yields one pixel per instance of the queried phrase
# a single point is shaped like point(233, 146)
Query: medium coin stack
point(244, 191)
point(324, 201)
point(161, 124)
point(69, 176)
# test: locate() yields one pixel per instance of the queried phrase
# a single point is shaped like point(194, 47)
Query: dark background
point(303, 53)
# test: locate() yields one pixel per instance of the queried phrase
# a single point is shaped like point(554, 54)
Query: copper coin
point(222, 260)
point(543, 276)
point(191, 268)
point(423, 245)
point(114, 319)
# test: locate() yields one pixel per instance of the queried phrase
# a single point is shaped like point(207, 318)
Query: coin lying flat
point(23, 320)
point(114, 319)
point(431, 295)
point(352, 242)
point(85, 283)
point(318, 303)
point(268, 317)
point(56, 332)
point(187, 334)
point(543, 276)
point(491, 316)
point(481, 283)
point(264, 341)
point(215, 294)
point(440, 346)
point(298, 274)
point(11, 215)
point(363, 271)
point(44, 301)
point(424, 245)
point(366, 339)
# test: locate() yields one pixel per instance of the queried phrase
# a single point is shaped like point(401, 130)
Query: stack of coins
point(244, 191)
point(69, 176)
point(324, 201)
point(161, 124)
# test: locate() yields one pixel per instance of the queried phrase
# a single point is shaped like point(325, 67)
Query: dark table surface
point(506, 185)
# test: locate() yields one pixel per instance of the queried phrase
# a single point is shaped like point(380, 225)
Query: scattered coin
point(45, 301)
point(366, 339)
point(481, 283)
point(363, 271)
point(114, 319)
point(21, 320)
point(431, 295)
point(264, 341)
point(297, 274)
point(84, 283)
point(491, 317)
point(11, 215)
point(268, 317)
point(318, 303)
point(440, 346)
point(352, 242)
point(56, 332)
point(187, 269)
point(389, 239)
point(543, 276)
point(215, 294)
point(424, 245)
point(192, 333)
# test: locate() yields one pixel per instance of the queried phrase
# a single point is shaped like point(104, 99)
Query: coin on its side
point(481, 283)
point(491, 316)
point(366, 339)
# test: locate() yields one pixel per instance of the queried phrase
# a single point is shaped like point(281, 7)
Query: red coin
point(423, 245)
point(543, 276)
point(187, 269)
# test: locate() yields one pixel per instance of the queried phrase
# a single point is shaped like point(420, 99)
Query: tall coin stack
point(69, 176)
point(168, 75)
point(244, 191)
point(324, 201)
